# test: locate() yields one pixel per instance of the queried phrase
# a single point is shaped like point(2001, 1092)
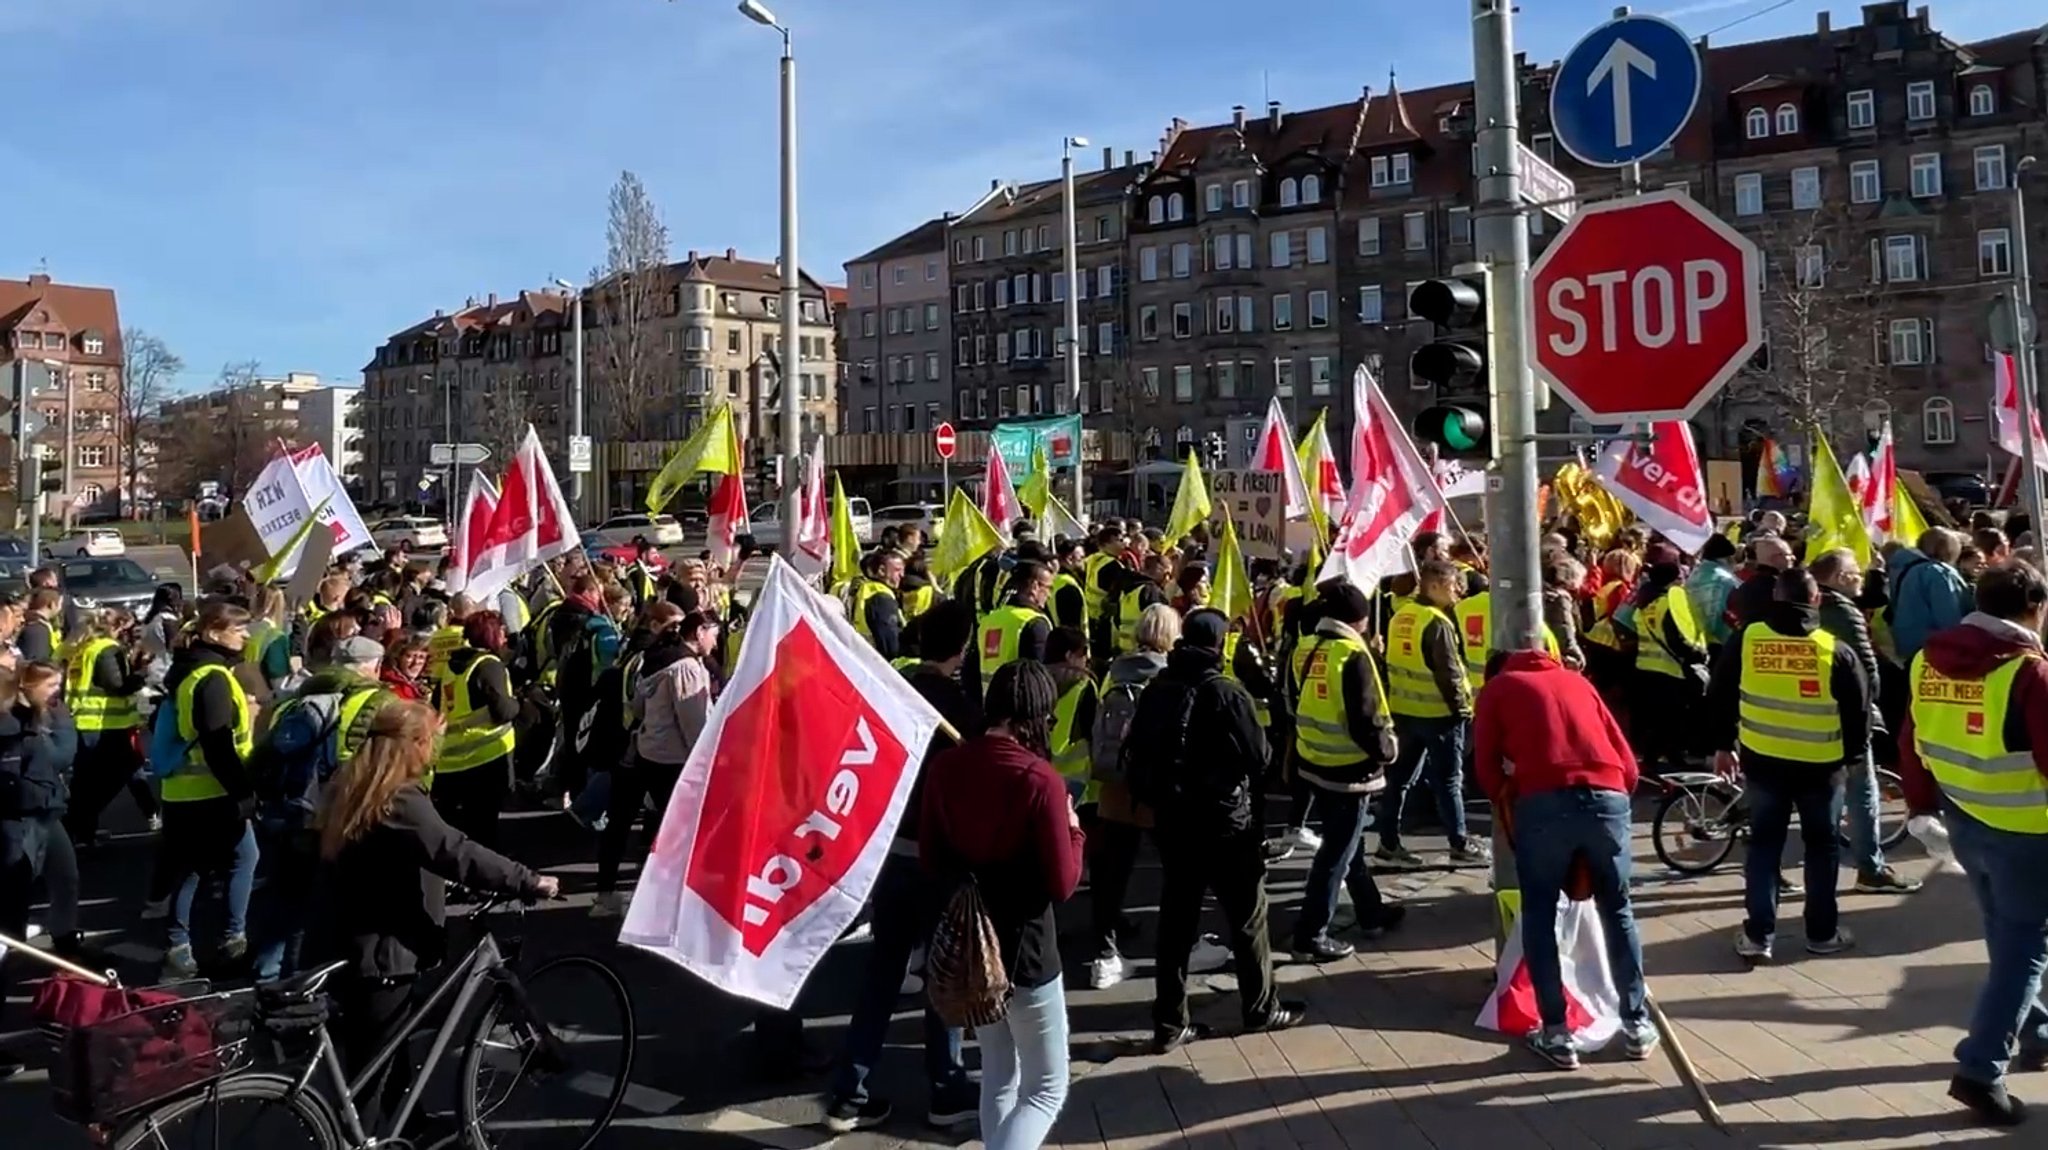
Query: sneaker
point(610, 905)
point(234, 946)
point(1397, 858)
point(1639, 1039)
point(1283, 1016)
point(1991, 1104)
point(1305, 839)
point(179, 963)
point(1749, 948)
point(861, 932)
point(156, 823)
point(1279, 850)
point(1555, 1047)
point(844, 1116)
point(1789, 889)
point(913, 984)
point(1841, 941)
point(33, 931)
point(1324, 950)
point(1105, 972)
point(151, 911)
point(954, 1107)
point(1472, 855)
point(1390, 917)
point(1885, 880)
point(1209, 956)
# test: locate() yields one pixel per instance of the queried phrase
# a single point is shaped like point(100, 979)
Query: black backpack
point(1163, 777)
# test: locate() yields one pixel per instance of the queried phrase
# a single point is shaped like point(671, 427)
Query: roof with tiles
point(929, 236)
point(42, 304)
point(1042, 197)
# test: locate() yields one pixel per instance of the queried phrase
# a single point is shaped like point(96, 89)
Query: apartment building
point(63, 343)
point(331, 415)
point(897, 331)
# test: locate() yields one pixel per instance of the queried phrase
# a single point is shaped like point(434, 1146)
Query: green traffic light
point(1459, 433)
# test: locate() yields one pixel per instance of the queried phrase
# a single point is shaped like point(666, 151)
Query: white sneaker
point(1305, 839)
point(156, 823)
point(1106, 972)
point(608, 905)
point(1209, 956)
point(913, 984)
point(152, 911)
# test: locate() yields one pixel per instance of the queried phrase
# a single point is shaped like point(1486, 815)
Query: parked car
point(1968, 487)
point(412, 532)
point(595, 548)
point(863, 518)
point(14, 556)
point(923, 516)
point(91, 542)
point(115, 582)
point(765, 525)
point(660, 530)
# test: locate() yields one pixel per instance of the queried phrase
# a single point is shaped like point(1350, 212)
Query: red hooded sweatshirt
point(1550, 725)
point(1974, 649)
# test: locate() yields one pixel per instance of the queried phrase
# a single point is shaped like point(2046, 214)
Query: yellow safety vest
point(444, 642)
point(193, 781)
point(1787, 706)
point(1070, 749)
point(544, 643)
point(1061, 582)
point(1276, 606)
point(1129, 610)
point(1651, 654)
point(1475, 635)
point(94, 709)
point(471, 739)
point(520, 615)
point(864, 590)
point(1959, 729)
point(906, 663)
point(1094, 600)
point(917, 600)
point(1001, 631)
point(1411, 687)
point(1322, 730)
point(1602, 631)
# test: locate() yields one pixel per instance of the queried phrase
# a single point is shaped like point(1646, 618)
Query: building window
point(95, 381)
point(1369, 236)
point(1183, 383)
point(1749, 194)
point(980, 248)
point(1148, 264)
point(931, 317)
point(1788, 120)
point(1937, 422)
point(1221, 248)
point(1045, 236)
point(899, 275)
point(89, 456)
point(1864, 184)
point(1105, 229)
point(1283, 311)
point(1319, 309)
point(1920, 101)
point(1812, 266)
point(1003, 292)
point(931, 366)
point(1311, 189)
point(931, 271)
point(1212, 197)
point(1240, 193)
point(1283, 378)
point(1926, 175)
point(1390, 171)
point(1281, 249)
point(1176, 207)
point(1756, 124)
point(1105, 281)
point(1148, 322)
point(1371, 309)
point(1908, 348)
point(1319, 375)
point(1983, 101)
point(1989, 162)
point(1902, 259)
point(1183, 260)
point(1461, 225)
point(1862, 110)
point(1290, 193)
point(895, 322)
point(1105, 338)
point(1183, 320)
point(1414, 231)
point(1806, 188)
point(1155, 210)
point(1010, 241)
point(94, 345)
point(1148, 380)
point(1994, 252)
point(1318, 246)
point(1247, 313)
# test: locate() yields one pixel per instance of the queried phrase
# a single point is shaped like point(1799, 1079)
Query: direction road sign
point(944, 441)
point(1643, 308)
point(1545, 185)
point(461, 454)
point(1624, 91)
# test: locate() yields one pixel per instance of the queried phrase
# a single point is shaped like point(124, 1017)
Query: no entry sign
point(943, 440)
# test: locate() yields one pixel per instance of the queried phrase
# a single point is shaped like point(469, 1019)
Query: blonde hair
point(108, 622)
point(363, 793)
point(1158, 628)
point(269, 605)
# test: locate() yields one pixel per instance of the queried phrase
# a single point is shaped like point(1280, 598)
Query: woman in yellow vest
point(1073, 716)
point(101, 680)
point(473, 769)
point(1671, 658)
point(207, 794)
point(269, 645)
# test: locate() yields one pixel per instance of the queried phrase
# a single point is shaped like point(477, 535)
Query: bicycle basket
point(134, 1058)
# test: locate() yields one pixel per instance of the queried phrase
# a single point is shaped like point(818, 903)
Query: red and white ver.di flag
point(1274, 451)
point(530, 524)
point(1592, 1005)
point(727, 519)
point(999, 496)
point(784, 813)
point(1880, 481)
point(1393, 495)
point(1661, 481)
point(2006, 414)
point(812, 555)
point(471, 531)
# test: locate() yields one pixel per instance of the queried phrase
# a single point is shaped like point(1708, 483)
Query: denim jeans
point(290, 866)
point(2005, 872)
point(204, 843)
point(1551, 829)
point(1773, 799)
point(1432, 747)
point(1024, 1069)
point(1859, 798)
point(905, 909)
point(1340, 857)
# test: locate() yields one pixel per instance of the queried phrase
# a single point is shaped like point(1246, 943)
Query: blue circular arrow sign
point(1625, 91)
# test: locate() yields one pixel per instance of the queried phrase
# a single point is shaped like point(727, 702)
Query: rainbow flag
point(1774, 471)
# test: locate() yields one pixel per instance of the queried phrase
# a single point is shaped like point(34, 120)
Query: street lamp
point(2027, 376)
point(576, 435)
point(1073, 348)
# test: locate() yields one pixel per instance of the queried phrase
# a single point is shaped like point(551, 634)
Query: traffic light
point(1457, 364)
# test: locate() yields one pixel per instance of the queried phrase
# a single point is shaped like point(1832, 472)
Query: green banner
point(1060, 438)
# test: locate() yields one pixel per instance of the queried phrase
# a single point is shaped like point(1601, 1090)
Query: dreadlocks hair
point(1022, 695)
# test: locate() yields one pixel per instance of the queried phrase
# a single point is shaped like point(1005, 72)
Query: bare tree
point(630, 293)
point(225, 440)
point(499, 423)
point(148, 366)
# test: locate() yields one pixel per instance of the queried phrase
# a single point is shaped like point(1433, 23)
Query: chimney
point(1130, 157)
point(39, 279)
point(1822, 25)
point(1273, 117)
point(1923, 17)
point(732, 254)
point(1237, 116)
point(491, 300)
point(1108, 158)
point(994, 183)
point(437, 313)
point(468, 302)
point(693, 255)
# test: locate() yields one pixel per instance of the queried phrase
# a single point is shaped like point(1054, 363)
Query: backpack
point(1112, 722)
point(964, 973)
point(167, 747)
point(1161, 778)
point(300, 751)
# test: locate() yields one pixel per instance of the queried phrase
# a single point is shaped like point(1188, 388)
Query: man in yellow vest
point(1069, 604)
point(872, 605)
point(1097, 590)
point(1073, 712)
point(1974, 749)
point(1432, 704)
point(1018, 629)
point(1474, 613)
point(1671, 659)
point(1789, 704)
point(101, 681)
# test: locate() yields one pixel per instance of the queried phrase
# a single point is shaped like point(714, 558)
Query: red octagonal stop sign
point(1643, 308)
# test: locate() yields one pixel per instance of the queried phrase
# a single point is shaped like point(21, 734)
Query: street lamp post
point(792, 281)
point(1073, 273)
point(575, 392)
point(2025, 366)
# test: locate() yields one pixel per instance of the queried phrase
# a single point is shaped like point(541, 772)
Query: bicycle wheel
point(1891, 809)
point(1693, 831)
point(246, 1112)
point(550, 1058)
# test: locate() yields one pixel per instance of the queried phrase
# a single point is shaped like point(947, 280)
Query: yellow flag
point(845, 542)
point(713, 447)
point(1309, 454)
point(1037, 489)
point(968, 536)
point(1907, 522)
point(271, 568)
point(1833, 518)
point(1190, 503)
point(1230, 585)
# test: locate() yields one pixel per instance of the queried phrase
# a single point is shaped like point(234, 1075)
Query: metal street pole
point(2026, 367)
point(792, 319)
point(448, 437)
point(576, 394)
point(1073, 348)
point(70, 430)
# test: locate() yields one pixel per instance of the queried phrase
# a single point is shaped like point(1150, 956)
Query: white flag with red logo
point(999, 496)
point(1393, 496)
point(1661, 481)
point(726, 519)
point(471, 531)
point(324, 490)
point(2006, 414)
point(1857, 475)
point(812, 555)
point(1880, 480)
point(530, 524)
point(1319, 469)
point(1592, 1005)
point(785, 810)
point(1274, 452)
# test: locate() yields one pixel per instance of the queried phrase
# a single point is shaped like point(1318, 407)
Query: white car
point(89, 543)
point(660, 530)
point(412, 532)
point(765, 527)
point(923, 516)
point(863, 518)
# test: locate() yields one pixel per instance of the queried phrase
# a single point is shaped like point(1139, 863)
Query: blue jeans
point(905, 909)
point(1859, 798)
point(237, 865)
point(2006, 872)
point(1024, 1069)
point(290, 865)
point(1551, 828)
point(1341, 856)
point(1816, 797)
point(1432, 747)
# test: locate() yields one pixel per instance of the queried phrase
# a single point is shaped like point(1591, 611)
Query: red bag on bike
point(118, 1050)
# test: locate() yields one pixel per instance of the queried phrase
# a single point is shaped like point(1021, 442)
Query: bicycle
point(488, 1007)
point(1703, 815)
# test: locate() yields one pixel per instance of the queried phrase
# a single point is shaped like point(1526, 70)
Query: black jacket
point(490, 689)
point(1751, 602)
point(955, 704)
point(1222, 741)
point(382, 900)
point(885, 622)
point(35, 762)
point(37, 641)
point(1367, 718)
point(112, 673)
point(213, 714)
point(1842, 618)
point(1845, 680)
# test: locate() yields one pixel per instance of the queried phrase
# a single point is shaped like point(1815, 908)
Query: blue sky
point(291, 180)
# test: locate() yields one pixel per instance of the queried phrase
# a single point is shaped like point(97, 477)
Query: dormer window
point(1788, 120)
point(1290, 193)
point(53, 341)
point(1388, 171)
point(1311, 189)
point(1155, 210)
point(1240, 193)
point(1757, 124)
point(1983, 101)
point(94, 344)
point(1176, 207)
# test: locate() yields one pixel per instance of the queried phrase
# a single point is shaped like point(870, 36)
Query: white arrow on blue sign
point(1625, 91)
